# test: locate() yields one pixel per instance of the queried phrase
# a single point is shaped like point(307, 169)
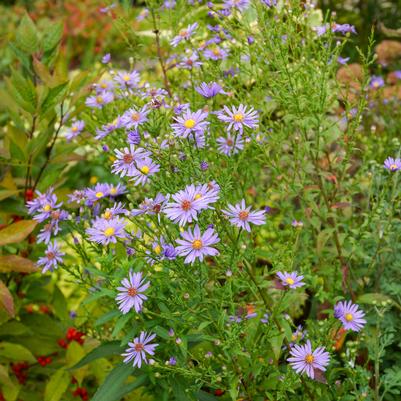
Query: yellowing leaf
point(16, 352)
point(16, 232)
point(6, 300)
point(14, 263)
point(57, 386)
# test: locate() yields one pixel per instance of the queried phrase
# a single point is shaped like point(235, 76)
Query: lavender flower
point(209, 90)
point(238, 118)
point(230, 145)
point(125, 164)
point(75, 130)
point(270, 3)
point(240, 5)
point(106, 58)
point(376, 82)
point(52, 257)
point(241, 216)
point(127, 80)
point(99, 100)
point(195, 245)
point(106, 231)
point(291, 280)
point(350, 315)
point(98, 192)
point(133, 118)
point(138, 349)
point(184, 34)
point(343, 28)
point(217, 53)
point(190, 122)
point(131, 293)
point(392, 164)
point(145, 169)
point(191, 61)
point(303, 359)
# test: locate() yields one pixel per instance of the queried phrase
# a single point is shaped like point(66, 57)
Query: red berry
point(218, 392)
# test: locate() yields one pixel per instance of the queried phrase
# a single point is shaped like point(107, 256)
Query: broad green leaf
point(6, 300)
point(25, 89)
point(120, 324)
point(16, 232)
point(60, 304)
point(57, 386)
point(16, 352)
point(103, 292)
point(26, 36)
point(74, 354)
point(52, 36)
point(4, 377)
point(373, 298)
point(7, 193)
point(14, 263)
point(54, 95)
point(104, 350)
point(276, 343)
point(107, 317)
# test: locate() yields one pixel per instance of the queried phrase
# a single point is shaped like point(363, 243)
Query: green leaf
point(104, 350)
point(54, 95)
point(16, 352)
point(16, 232)
point(107, 317)
point(60, 304)
point(27, 38)
point(373, 298)
point(6, 300)
point(103, 292)
point(25, 91)
point(14, 263)
point(120, 324)
point(52, 36)
point(57, 386)
point(114, 387)
point(7, 193)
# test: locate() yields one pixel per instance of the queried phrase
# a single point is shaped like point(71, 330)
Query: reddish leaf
point(6, 300)
point(14, 263)
point(16, 232)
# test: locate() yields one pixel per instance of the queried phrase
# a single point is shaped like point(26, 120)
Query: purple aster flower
point(230, 145)
point(116, 190)
point(350, 315)
point(376, 82)
point(190, 123)
point(131, 293)
point(195, 245)
point(150, 206)
point(172, 361)
point(270, 3)
point(204, 166)
point(303, 359)
point(138, 349)
point(297, 335)
point(52, 257)
point(321, 30)
point(169, 4)
point(237, 118)
point(115, 210)
point(48, 209)
point(104, 86)
point(190, 62)
point(45, 233)
point(343, 28)
point(145, 169)
point(184, 34)
point(99, 191)
point(106, 58)
point(241, 216)
point(133, 137)
point(106, 129)
point(397, 74)
point(291, 280)
point(250, 39)
point(209, 90)
point(265, 318)
point(125, 164)
point(105, 231)
point(392, 164)
point(297, 224)
point(217, 53)
point(133, 118)
point(240, 5)
point(40, 201)
point(99, 100)
point(142, 15)
point(127, 80)
point(75, 129)
point(343, 60)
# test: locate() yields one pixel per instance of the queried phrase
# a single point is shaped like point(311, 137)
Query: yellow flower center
point(216, 52)
point(189, 123)
point(99, 194)
point(198, 196)
point(289, 280)
point(113, 191)
point(238, 117)
point(126, 77)
point(109, 231)
point(108, 215)
point(145, 169)
point(393, 167)
point(349, 317)
point(183, 33)
point(74, 129)
point(47, 208)
point(309, 358)
point(157, 249)
point(197, 244)
point(135, 116)
point(99, 99)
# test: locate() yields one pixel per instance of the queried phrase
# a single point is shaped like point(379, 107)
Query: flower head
point(127, 158)
point(127, 80)
point(195, 245)
point(350, 315)
point(106, 231)
point(131, 293)
point(209, 90)
point(239, 117)
point(231, 144)
point(99, 100)
point(291, 280)
point(132, 118)
point(145, 168)
point(392, 164)
point(52, 257)
point(303, 359)
point(376, 82)
point(241, 216)
point(184, 34)
point(138, 349)
point(217, 53)
point(75, 129)
point(190, 122)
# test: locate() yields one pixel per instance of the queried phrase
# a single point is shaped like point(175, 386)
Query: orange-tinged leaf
point(14, 263)
point(16, 232)
point(6, 300)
